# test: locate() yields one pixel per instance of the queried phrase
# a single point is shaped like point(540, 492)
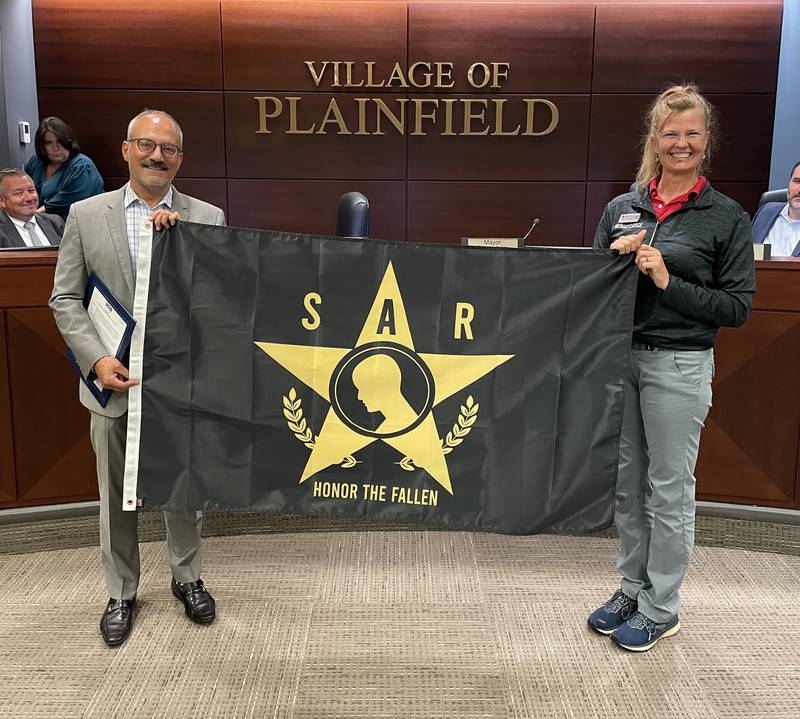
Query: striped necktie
point(31, 228)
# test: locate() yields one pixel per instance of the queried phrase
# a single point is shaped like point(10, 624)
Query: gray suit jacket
point(95, 240)
point(51, 225)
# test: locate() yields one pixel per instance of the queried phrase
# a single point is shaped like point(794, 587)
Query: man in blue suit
point(778, 224)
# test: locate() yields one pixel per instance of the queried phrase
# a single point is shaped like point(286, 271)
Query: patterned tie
point(31, 228)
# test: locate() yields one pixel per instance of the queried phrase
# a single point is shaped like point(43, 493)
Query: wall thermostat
point(25, 133)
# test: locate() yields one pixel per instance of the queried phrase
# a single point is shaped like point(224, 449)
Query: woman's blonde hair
point(677, 98)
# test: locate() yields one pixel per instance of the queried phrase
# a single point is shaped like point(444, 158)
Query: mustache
point(154, 164)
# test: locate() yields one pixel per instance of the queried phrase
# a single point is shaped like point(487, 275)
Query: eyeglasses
point(147, 146)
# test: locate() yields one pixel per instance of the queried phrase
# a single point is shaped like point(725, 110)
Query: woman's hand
point(650, 261)
point(628, 243)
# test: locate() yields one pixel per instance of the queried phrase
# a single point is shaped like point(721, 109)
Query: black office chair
point(352, 218)
point(774, 196)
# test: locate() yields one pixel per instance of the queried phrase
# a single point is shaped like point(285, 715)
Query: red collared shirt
point(665, 209)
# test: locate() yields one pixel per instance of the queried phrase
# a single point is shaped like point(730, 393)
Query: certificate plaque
point(113, 324)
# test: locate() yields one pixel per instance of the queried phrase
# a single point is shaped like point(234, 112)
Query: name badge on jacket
point(630, 217)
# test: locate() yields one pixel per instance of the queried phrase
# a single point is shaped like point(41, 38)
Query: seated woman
point(62, 175)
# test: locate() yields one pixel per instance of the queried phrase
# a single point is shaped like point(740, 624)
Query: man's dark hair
point(63, 133)
point(794, 167)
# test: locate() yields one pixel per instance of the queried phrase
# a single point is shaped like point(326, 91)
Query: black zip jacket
point(707, 249)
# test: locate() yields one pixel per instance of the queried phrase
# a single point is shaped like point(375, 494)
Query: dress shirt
point(136, 213)
point(784, 235)
point(26, 237)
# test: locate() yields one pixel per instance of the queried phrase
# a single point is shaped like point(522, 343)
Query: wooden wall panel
point(54, 460)
point(213, 191)
point(561, 155)
point(745, 138)
point(446, 211)
point(8, 482)
point(501, 32)
point(311, 205)
point(749, 447)
point(797, 480)
point(328, 156)
point(27, 278)
point(617, 125)
point(747, 194)
point(778, 285)
point(267, 43)
point(598, 195)
point(643, 47)
point(149, 44)
point(100, 119)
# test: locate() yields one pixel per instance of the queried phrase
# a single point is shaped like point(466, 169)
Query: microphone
point(352, 218)
point(530, 229)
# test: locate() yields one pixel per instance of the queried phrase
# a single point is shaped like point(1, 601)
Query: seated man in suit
point(778, 224)
point(20, 224)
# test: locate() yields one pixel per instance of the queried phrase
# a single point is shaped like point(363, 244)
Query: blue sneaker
point(615, 612)
point(639, 633)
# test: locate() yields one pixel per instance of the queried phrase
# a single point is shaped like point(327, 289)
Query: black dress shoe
point(198, 603)
point(117, 621)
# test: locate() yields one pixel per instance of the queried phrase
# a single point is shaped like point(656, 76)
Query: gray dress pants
point(119, 537)
point(668, 395)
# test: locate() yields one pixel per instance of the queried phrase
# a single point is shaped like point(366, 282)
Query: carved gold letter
point(498, 119)
point(420, 115)
point(338, 119)
point(531, 105)
point(263, 115)
point(469, 116)
point(293, 129)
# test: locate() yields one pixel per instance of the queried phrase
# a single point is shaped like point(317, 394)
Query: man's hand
point(113, 374)
point(650, 262)
point(628, 243)
point(164, 219)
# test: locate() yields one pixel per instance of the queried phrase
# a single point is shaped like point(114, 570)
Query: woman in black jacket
point(694, 252)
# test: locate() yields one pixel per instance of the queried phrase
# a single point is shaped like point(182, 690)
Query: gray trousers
point(668, 395)
point(119, 537)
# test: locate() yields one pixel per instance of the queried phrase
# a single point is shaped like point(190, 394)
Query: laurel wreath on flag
point(462, 427)
point(293, 411)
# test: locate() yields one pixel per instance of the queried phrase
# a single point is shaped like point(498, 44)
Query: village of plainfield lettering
point(416, 116)
point(421, 115)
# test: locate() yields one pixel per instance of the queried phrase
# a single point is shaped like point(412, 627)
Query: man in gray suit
point(103, 235)
point(20, 224)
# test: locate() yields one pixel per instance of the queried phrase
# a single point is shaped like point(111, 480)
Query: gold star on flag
point(376, 377)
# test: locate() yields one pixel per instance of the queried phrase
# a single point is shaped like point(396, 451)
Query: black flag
point(466, 387)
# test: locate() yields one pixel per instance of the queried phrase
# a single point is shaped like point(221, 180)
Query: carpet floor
point(407, 624)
